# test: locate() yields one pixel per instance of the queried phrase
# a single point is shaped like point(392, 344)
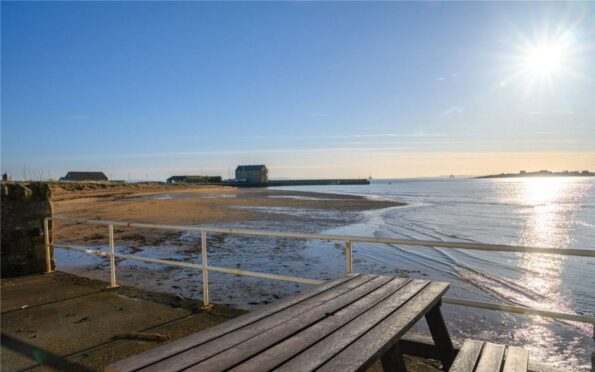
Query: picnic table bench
point(489, 357)
point(341, 325)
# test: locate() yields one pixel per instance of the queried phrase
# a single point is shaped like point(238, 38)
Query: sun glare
point(547, 58)
point(544, 60)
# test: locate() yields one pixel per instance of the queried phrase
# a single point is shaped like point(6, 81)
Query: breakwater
point(320, 182)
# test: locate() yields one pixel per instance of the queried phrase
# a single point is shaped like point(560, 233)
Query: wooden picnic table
point(341, 325)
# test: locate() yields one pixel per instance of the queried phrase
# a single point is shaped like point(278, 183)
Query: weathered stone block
point(24, 205)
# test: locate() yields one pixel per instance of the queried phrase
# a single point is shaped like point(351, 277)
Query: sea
point(556, 212)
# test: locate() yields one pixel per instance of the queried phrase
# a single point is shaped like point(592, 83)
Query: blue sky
point(154, 89)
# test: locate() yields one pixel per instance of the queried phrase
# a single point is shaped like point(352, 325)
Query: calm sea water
point(543, 212)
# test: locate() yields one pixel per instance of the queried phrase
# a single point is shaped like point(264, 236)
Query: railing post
point(46, 236)
point(348, 258)
point(205, 272)
point(112, 258)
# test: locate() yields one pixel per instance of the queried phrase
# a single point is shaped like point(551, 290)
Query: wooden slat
point(285, 350)
point(467, 356)
point(491, 357)
point(365, 350)
point(322, 351)
point(178, 346)
point(517, 359)
point(206, 350)
point(241, 351)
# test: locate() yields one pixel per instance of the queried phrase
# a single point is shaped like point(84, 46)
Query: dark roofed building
point(252, 173)
point(84, 176)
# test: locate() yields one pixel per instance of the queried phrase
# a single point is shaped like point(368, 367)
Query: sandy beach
point(197, 205)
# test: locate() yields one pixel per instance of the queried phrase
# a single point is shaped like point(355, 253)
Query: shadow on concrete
point(40, 356)
point(52, 302)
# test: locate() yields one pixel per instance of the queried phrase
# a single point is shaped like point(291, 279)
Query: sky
point(146, 90)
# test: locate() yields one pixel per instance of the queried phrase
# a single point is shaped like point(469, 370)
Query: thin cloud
point(200, 153)
point(453, 110)
point(343, 136)
point(551, 112)
point(450, 76)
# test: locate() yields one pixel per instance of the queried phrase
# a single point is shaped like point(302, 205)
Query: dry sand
point(192, 205)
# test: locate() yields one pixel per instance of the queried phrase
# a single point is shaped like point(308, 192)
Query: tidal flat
point(258, 209)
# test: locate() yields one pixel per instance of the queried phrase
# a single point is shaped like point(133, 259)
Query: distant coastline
point(542, 173)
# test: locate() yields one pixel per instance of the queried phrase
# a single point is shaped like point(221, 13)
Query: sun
point(544, 60)
point(549, 59)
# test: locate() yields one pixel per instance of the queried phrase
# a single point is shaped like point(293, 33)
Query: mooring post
point(348, 257)
point(112, 258)
point(46, 236)
point(205, 272)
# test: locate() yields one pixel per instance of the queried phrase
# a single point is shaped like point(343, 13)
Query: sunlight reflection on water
point(547, 223)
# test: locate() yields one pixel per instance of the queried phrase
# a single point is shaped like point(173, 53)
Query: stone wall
point(24, 206)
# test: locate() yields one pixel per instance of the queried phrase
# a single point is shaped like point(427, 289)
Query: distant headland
point(542, 173)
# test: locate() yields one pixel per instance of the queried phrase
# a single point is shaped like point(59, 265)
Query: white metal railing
point(205, 268)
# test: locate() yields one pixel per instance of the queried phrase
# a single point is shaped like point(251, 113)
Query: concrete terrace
point(62, 322)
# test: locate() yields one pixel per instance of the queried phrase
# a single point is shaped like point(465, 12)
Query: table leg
point(440, 335)
point(392, 360)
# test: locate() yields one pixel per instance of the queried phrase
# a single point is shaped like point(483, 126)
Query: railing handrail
point(447, 300)
point(204, 267)
point(345, 238)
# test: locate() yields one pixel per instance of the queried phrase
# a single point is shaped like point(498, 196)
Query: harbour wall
point(321, 182)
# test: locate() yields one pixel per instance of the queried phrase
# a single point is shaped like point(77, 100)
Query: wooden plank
point(440, 335)
point(467, 356)
point(365, 350)
point(175, 347)
point(319, 353)
point(285, 350)
point(491, 357)
point(517, 359)
point(206, 350)
point(252, 346)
